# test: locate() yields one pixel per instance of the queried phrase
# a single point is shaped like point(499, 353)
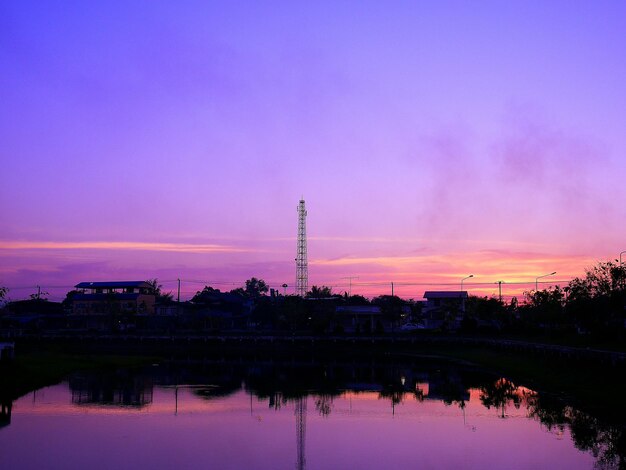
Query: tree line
point(594, 303)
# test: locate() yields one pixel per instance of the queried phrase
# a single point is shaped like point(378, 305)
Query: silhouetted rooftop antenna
point(302, 266)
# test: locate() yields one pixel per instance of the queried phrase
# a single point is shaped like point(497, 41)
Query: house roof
point(112, 285)
point(445, 294)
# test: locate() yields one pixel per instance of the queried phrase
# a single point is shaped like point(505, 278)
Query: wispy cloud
point(122, 245)
point(489, 263)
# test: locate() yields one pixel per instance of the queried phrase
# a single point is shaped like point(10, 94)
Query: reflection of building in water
point(5, 413)
point(111, 390)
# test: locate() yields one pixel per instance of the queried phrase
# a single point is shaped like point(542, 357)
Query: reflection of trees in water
point(501, 393)
point(5, 413)
point(394, 392)
point(324, 404)
point(276, 401)
point(419, 394)
point(606, 442)
point(282, 384)
point(451, 387)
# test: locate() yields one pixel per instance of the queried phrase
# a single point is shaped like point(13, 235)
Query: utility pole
point(39, 294)
point(500, 289)
point(178, 298)
point(391, 288)
point(350, 279)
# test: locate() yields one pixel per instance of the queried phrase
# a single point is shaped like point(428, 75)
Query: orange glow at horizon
point(232, 262)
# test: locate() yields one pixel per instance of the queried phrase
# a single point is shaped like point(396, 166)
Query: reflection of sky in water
point(180, 429)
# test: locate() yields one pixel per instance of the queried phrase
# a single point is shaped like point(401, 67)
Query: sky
point(430, 141)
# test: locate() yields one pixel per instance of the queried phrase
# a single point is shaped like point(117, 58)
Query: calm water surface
point(304, 416)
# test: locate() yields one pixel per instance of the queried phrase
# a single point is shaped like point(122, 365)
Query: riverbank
point(150, 344)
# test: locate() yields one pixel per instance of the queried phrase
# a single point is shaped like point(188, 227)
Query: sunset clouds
point(136, 246)
point(429, 141)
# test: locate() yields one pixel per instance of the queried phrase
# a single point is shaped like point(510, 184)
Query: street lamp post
point(539, 277)
point(471, 275)
point(463, 298)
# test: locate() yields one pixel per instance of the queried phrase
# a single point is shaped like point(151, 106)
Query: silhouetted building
point(114, 297)
point(7, 352)
point(443, 308)
point(353, 318)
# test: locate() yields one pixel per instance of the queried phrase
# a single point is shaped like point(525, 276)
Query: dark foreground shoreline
point(150, 344)
point(589, 378)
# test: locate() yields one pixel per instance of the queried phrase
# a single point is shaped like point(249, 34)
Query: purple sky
point(430, 141)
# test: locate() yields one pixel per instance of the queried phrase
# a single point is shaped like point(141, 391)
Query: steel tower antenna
point(302, 266)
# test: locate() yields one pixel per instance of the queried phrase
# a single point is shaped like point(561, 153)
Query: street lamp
point(471, 275)
point(539, 277)
point(463, 298)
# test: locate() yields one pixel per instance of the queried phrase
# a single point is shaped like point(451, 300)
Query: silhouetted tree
point(256, 287)
point(484, 308)
point(203, 295)
point(156, 289)
point(391, 307)
point(240, 291)
point(596, 301)
point(546, 306)
point(320, 292)
point(357, 300)
point(39, 295)
point(69, 298)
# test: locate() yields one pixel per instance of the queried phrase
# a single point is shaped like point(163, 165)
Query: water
point(273, 416)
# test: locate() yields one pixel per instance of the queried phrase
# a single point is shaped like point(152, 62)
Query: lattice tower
point(302, 266)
